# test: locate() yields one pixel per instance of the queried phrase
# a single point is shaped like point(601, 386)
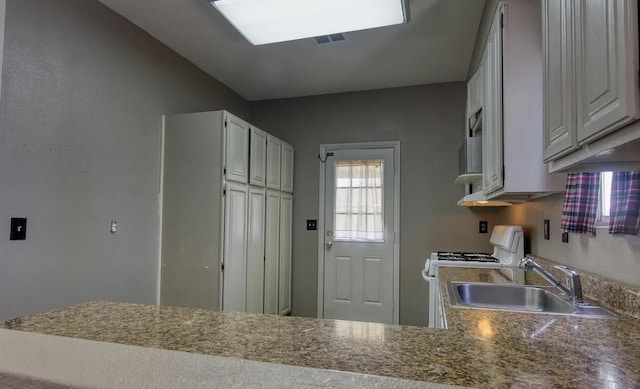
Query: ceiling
point(435, 46)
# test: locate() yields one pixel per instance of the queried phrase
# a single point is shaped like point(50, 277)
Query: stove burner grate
point(465, 256)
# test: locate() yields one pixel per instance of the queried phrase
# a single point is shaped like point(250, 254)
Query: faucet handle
point(566, 269)
point(568, 272)
point(574, 285)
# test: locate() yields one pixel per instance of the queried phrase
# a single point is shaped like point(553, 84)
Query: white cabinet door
point(475, 93)
point(255, 251)
point(284, 292)
point(286, 172)
point(258, 157)
point(274, 150)
point(492, 157)
point(606, 57)
point(235, 248)
point(559, 99)
point(272, 252)
point(236, 150)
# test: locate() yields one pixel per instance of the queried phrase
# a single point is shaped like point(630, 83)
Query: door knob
point(328, 245)
point(329, 233)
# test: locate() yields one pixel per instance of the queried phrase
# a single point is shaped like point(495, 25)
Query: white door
point(274, 150)
point(559, 98)
point(286, 172)
point(271, 252)
point(492, 157)
point(606, 50)
point(236, 165)
point(235, 248)
point(284, 283)
point(258, 157)
point(359, 235)
point(255, 251)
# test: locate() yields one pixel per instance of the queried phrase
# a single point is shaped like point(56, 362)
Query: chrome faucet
point(573, 290)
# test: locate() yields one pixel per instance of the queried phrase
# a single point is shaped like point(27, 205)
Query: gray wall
point(82, 97)
point(614, 256)
point(429, 122)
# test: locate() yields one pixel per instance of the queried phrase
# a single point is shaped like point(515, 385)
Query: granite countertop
point(480, 348)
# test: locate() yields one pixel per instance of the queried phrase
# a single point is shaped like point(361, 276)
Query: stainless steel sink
point(519, 298)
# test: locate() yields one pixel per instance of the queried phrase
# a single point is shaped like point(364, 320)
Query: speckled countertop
point(480, 349)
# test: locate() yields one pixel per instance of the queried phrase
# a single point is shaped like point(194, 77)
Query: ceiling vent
point(329, 38)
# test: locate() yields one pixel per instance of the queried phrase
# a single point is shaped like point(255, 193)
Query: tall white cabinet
point(279, 210)
point(226, 238)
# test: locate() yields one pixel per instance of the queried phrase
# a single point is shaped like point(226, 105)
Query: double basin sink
point(520, 298)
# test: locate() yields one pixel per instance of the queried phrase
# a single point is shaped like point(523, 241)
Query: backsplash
point(615, 257)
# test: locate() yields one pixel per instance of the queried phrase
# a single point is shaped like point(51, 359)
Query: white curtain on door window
point(358, 201)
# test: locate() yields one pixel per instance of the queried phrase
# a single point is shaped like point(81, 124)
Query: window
point(605, 199)
point(359, 201)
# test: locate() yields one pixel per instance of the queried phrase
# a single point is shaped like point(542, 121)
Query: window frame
point(336, 213)
point(602, 221)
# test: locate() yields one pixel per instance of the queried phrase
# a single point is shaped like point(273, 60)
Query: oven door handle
point(426, 276)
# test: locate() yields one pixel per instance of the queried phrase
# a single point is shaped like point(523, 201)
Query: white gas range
point(508, 250)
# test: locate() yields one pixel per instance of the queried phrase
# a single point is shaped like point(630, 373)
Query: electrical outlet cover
point(546, 229)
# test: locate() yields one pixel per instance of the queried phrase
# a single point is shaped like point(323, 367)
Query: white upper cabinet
point(512, 129)
point(475, 94)
point(559, 96)
point(258, 157)
point(591, 84)
point(236, 149)
point(274, 151)
point(606, 58)
point(492, 158)
point(286, 171)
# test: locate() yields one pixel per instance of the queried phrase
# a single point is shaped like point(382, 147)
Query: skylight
point(270, 21)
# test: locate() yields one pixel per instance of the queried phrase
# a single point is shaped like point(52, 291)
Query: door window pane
point(358, 214)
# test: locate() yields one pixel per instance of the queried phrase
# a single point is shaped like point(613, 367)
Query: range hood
point(478, 199)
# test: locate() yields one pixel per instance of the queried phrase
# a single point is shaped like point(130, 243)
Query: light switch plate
point(18, 228)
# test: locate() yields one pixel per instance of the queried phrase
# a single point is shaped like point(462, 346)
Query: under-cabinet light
point(270, 21)
point(478, 199)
